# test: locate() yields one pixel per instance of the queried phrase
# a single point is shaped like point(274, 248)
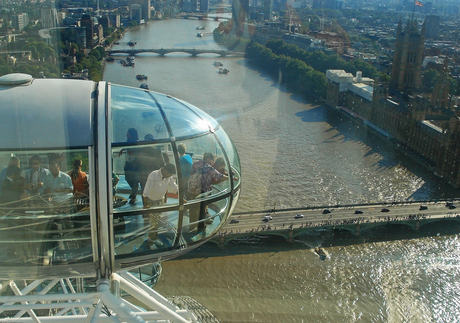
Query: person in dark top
point(185, 162)
point(131, 167)
point(148, 159)
point(13, 185)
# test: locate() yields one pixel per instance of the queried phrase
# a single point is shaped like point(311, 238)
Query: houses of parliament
point(426, 126)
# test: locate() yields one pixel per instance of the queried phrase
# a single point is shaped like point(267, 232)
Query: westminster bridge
point(289, 223)
point(164, 51)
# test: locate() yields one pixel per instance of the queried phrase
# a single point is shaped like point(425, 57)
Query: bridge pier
point(221, 242)
point(417, 225)
point(290, 238)
point(357, 229)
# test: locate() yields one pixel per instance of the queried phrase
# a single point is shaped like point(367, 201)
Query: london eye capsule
point(103, 177)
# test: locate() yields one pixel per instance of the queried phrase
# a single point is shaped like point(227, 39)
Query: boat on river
point(216, 63)
point(199, 35)
point(144, 86)
point(132, 43)
point(223, 70)
point(201, 28)
point(141, 77)
point(321, 253)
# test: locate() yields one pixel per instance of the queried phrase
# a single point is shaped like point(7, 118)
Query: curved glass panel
point(232, 154)
point(183, 121)
point(210, 120)
point(204, 219)
point(144, 232)
point(138, 172)
point(135, 109)
point(44, 208)
point(203, 176)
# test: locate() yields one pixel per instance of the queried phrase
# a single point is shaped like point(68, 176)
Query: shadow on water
point(300, 98)
point(350, 130)
point(324, 238)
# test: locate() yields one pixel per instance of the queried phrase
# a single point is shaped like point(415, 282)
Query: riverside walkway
point(289, 223)
point(164, 51)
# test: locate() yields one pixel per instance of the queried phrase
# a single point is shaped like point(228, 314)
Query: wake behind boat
point(321, 253)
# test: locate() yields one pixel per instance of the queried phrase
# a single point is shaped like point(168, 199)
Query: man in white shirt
point(58, 184)
point(159, 182)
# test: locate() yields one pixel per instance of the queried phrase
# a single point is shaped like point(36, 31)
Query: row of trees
point(293, 72)
point(301, 70)
point(44, 59)
point(112, 35)
point(90, 61)
point(321, 62)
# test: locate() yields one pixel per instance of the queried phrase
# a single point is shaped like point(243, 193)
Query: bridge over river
point(290, 223)
point(164, 51)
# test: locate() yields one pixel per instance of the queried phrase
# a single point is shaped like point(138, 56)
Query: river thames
point(295, 153)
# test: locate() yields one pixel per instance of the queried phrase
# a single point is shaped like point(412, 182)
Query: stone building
point(408, 56)
point(425, 131)
point(425, 127)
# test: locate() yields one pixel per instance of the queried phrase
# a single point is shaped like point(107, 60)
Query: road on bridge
point(282, 219)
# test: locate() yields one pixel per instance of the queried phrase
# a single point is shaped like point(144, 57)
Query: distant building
point(145, 12)
point(105, 22)
point(49, 17)
point(432, 26)
point(135, 12)
point(100, 34)
point(20, 21)
point(325, 4)
point(88, 23)
point(116, 20)
point(427, 128)
point(75, 35)
point(204, 5)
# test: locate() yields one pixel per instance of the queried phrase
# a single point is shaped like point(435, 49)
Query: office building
point(20, 21)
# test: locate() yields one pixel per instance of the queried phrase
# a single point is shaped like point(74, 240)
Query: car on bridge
point(385, 210)
point(358, 212)
point(234, 221)
point(267, 218)
point(298, 216)
point(423, 207)
point(326, 211)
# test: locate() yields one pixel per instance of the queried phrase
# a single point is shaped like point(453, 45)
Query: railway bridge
point(289, 223)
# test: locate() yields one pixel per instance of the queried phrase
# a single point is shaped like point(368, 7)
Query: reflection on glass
point(44, 208)
point(133, 109)
point(232, 155)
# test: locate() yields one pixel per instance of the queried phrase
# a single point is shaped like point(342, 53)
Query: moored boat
point(199, 35)
point(216, 63)
point(144, 86)
point(141, 77)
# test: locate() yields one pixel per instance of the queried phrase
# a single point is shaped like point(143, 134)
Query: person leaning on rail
point(159, 182)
